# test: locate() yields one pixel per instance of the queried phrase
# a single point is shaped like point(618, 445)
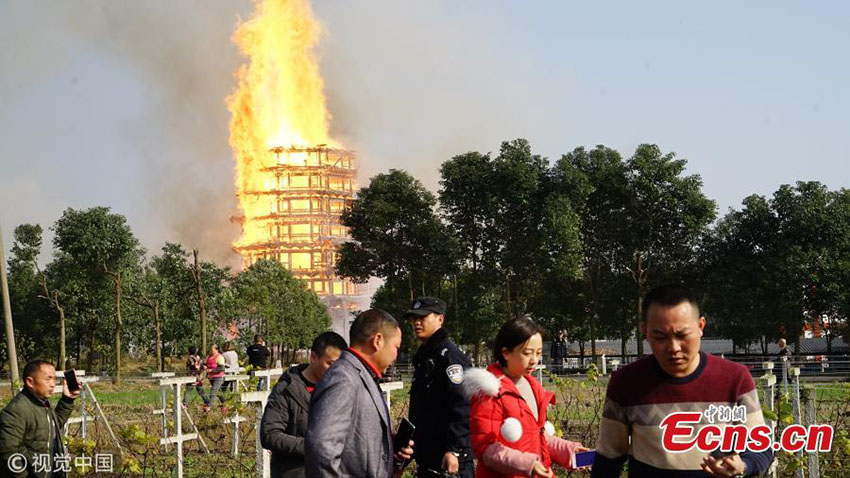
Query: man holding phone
point(438, 407)
point(349, 429)
point(676, 377)
point(30, 428)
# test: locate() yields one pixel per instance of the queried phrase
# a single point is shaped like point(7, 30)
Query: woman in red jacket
point(510, 434)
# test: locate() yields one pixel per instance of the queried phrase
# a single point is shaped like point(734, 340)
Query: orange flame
point(278, 102)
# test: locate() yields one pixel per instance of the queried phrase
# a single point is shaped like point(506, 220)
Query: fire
point(278, 102)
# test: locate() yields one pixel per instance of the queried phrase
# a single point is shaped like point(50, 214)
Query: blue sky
point(122, 104)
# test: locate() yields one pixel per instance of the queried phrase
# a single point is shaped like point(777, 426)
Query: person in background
point(30, 427)
point(193, 367)
point(258, 357)
point(284, 422)
point(558, 350)
point(783, 356)
point(510, 434)
point(214, 368)
point(231, 364)
point(438, 407)
point(349, 429)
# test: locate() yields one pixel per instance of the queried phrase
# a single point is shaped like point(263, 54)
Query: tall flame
point(278, 102)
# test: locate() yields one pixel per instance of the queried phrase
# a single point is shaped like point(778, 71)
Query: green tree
point(24, 286)
point(277, 305)
point(396, 236)
point(809, 232)
point(667, 213)
point(595, 180)
point(102, 244)
point(508, 227)
point(737, 275)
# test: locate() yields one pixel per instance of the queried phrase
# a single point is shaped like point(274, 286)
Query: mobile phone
point(404, 434)
point(71, 380)
point(718, 454)
point(583, 458)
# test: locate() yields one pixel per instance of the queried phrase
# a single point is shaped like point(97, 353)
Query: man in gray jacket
point(349, 430)
point(285, 417)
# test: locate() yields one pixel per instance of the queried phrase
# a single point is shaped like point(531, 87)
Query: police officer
point(438, 407)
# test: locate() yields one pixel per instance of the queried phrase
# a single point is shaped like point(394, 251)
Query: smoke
point(174, 150)
point(144, 128)
point(412, 84)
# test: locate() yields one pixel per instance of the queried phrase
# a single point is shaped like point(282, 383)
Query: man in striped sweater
point(677, 377)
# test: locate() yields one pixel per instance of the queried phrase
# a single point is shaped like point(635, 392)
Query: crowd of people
point(329, 418)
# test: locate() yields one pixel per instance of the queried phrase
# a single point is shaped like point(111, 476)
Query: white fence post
point(388, 387)
point(267, 374)
point(163, 403)
point(177, 384)
point(798, 415)
point(263, 456)
point(236, 419)
point(769, 381)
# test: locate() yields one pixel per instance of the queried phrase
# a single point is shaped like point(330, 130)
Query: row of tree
point(100, 296)
point(578, 242)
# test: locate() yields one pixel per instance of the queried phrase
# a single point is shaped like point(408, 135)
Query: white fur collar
point(479, 381)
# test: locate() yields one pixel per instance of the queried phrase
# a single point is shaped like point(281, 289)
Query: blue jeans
point(187, 396)
point(215, 386)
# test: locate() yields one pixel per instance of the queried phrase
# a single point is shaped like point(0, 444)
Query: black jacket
point(284, 424)
point(558, 349)
point(258, 355)
point(438, 407)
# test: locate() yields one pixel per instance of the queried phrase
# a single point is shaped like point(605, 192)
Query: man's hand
point(450, 463)
point(539, 469)
point(67, 393)
point(405, 453)
point(724, 467)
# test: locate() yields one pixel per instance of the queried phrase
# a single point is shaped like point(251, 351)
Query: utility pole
point(7, 314)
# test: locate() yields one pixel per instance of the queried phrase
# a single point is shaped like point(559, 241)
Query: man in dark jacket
point(284, 422)
point(30, 430)
point(558, 350)
point(438, 407)
point(258, 357)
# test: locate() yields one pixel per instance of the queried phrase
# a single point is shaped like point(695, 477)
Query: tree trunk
point(90, 358)
point(118, 323)
point(639, 276)
point(202, 307)
point(410, 285)
point(79, 347)
point(638, 337)
point(593, 319)
point(623, 339)
point(158, 329)
point(508, 295)
point(62, 357)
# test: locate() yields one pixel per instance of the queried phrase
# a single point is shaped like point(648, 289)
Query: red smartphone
point(71, 380)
